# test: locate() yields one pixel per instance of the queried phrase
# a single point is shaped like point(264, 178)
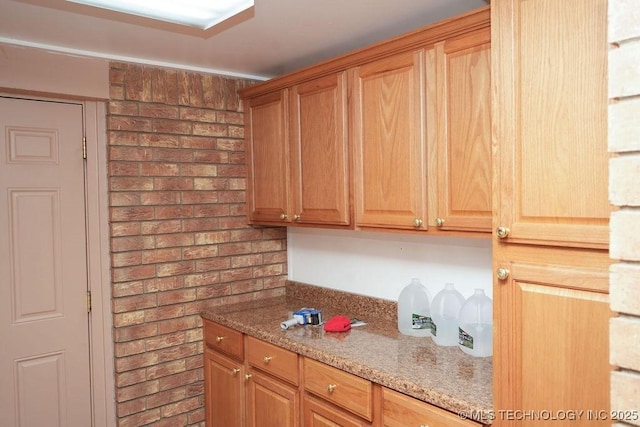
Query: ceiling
point(276, 37)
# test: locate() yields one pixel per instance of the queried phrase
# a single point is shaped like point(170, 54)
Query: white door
point(44, 335)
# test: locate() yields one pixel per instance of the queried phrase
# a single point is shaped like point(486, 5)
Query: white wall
point(381, 264)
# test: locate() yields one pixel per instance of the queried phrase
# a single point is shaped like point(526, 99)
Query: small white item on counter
point(414, 310)
point(289, 323)
point(445, 309)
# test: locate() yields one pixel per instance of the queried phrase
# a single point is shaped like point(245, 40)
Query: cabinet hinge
point(84, 147)
point(88, 301)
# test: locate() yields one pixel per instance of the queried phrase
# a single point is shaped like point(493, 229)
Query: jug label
point(418, 321)
point(465, 339)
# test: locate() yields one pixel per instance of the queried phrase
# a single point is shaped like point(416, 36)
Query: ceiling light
point(201, 14)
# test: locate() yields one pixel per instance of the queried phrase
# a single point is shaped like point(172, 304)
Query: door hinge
point(88, 301)
point(84, 147)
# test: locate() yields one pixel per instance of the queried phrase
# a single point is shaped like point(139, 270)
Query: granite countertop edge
point(480, 412)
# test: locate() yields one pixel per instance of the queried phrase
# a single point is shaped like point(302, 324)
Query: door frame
point(101, 352)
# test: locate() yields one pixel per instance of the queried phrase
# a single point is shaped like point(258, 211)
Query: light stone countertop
point(442, 376)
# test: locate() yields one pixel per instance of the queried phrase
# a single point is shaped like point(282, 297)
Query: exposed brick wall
point(179, 239)
point(624, 179)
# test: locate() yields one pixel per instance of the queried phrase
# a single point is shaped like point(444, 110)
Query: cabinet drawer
point(399, 410)
point(341, 388)
point(223, 339)
point(272, 359)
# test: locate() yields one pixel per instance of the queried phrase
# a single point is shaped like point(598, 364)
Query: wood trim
point(421, 38)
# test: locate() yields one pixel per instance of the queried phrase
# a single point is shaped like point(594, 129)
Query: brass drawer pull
point(235, 371)
point(219, 339)
point(267, 359)
point(331, 388)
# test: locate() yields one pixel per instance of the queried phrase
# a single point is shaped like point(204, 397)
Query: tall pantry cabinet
point(551, 210)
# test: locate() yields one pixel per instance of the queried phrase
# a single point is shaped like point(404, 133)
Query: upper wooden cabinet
point(389, 142)
point(392, 136)
point(463, 108)
point(319, 151)
point(266, 134)
point(550, 98)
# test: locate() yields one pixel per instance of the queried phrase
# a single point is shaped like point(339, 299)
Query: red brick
point(210, 129)
point(122, 138)
point(228, 144)
point(275, 282)
point(245, 235)
point(128, 318)
point(200, 224)
point(198, 170)
point(123, 229)
point(268, 245)
point(164, 283)
point(238, 210)
point(246, 286)
point(236, 131)
point(131, 407)
point(127, 274)
point(156, 140)
point(198, 415)
point(137, 82)
point(136, 332)
point(171, 421)
point(236, 274)
point(230, 117)
point(122, 108)
point(159, 169)
point(235, 248)
point(212, 237)
point(176, 297)
point(275, 257)
point(166, 397)
point(171, 240)
point(161, 227)
point(197, 197)
point(220, 263)
point(237, 158)
point(172, 126)
point(231, 196)
point(202, 279)
point(164, 313)
point(124, 169)
point(116, 74)
point(177, 352)
point(160, 255)
point(128, 348)
point(246, 260)
point(160, 198)
point(130, 213)
point(124, 259)
point(130, 184)
point(128, 123)
point(172, 155)
point(159, 111)
point(127, 289)
point(201, 142)
point(268, 270)
point(180, 379)
point(173, 183)
point(144, 389)
point(137, 420)
point(168, 212)
point(209, 184)
point(237, 184)
point(195, 362)
point(210, 156)
point(116, 92)
point(181, 407)
point(179, 324)
point(197, 114)
point(210, 251)
point(133, 303)
point(124, 199)
point(164, 341)
point(137, 361)
point(214, 291)
point(233, 222)
point(176, 268)
point(231, 170)
point(274, 233)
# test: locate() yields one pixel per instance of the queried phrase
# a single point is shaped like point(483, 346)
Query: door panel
point(43, 310)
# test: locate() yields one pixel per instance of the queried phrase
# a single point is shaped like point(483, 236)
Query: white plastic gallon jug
point(414, 312)
point(445, 309)
point(475, 325)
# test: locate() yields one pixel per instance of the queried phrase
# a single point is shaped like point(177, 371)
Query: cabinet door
point(267, 158)
point(389, 142)
point(271, 403)
point(549, 62)
point(399, 410)
point(319, 163)
point(318, 413)
point(224, 391)
point(551, 344)
point(464, 132)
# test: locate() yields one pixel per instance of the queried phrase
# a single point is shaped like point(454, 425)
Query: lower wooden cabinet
point(399, 410)
point(252, 383)
point(319, 413)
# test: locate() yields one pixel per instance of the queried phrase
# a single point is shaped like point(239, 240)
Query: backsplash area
point(381, 264)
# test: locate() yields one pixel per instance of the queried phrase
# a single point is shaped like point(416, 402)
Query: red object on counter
point(338, 324)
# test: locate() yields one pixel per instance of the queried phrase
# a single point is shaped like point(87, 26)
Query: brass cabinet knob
point(417, 223)
point(219, 339)
point(331, 388)
point(283, 216)
point(439, 222)
point(502, 232)
point(235, 371)
point(267, 359)
point(502, 273)
point(296, 217)
point(247, 376)
point(424, 425)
